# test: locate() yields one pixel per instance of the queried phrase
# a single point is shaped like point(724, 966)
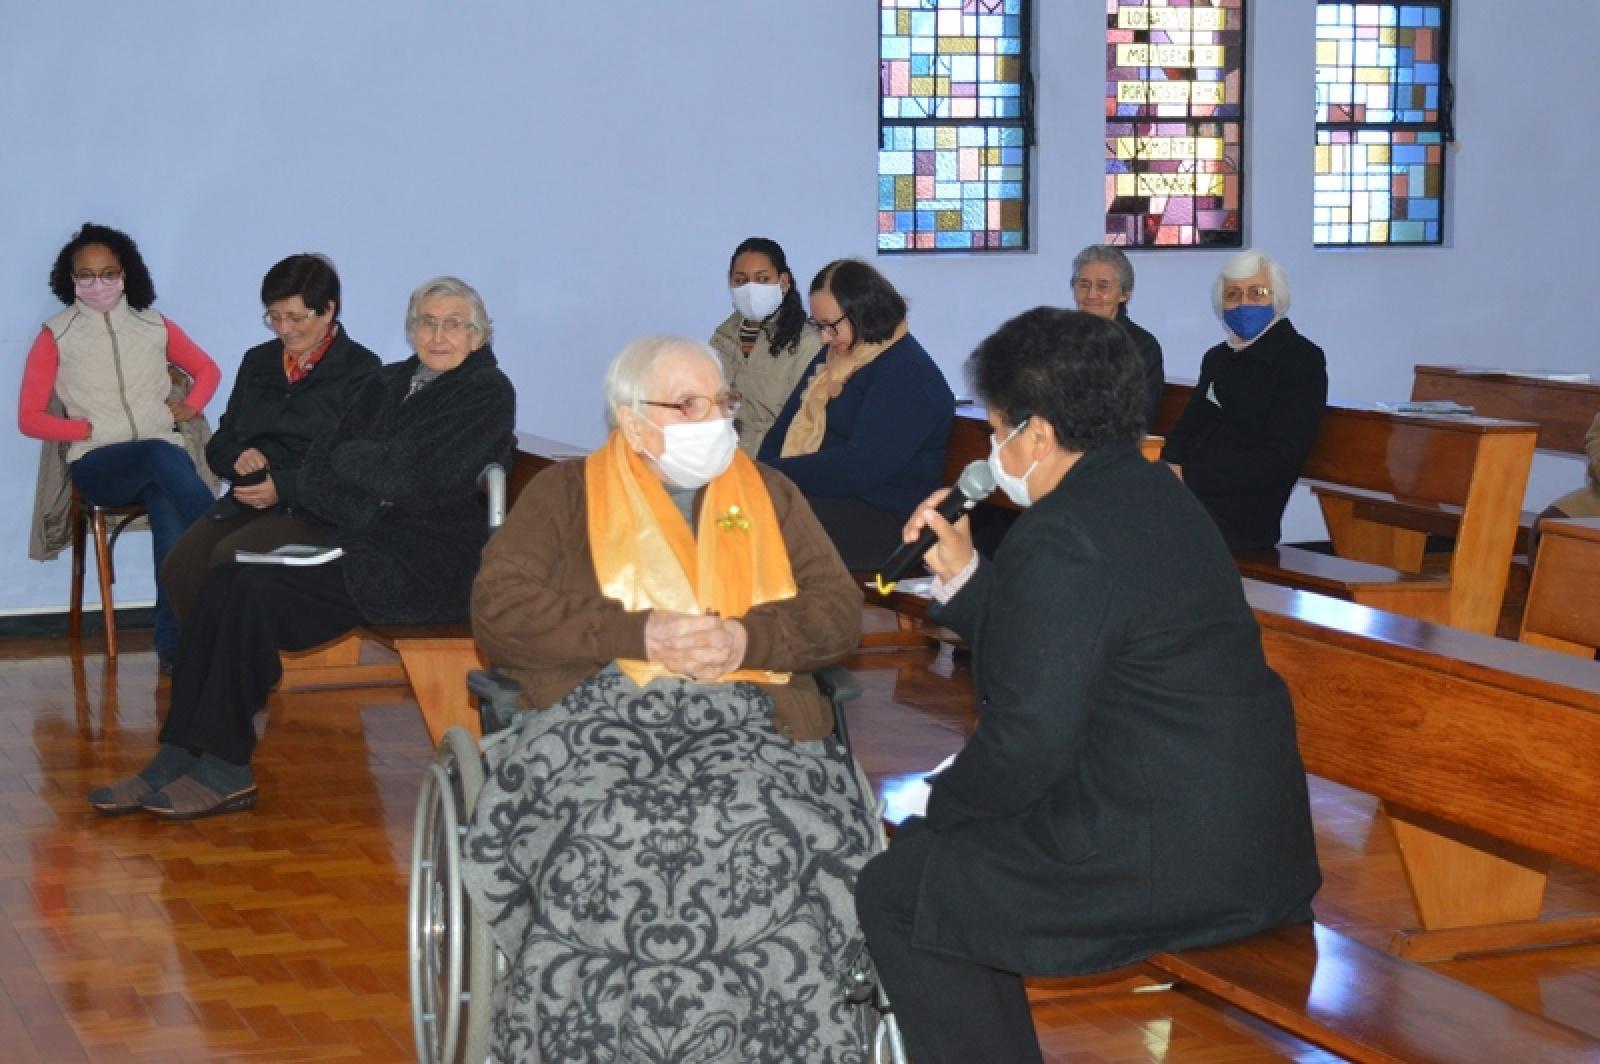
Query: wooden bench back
point(1477, 731)
point(1563, 410)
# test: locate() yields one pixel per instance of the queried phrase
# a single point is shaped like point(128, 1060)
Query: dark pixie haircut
point(791, 314)
point(310, 276)
point(137, 286)
point(1077, 371)
point(865, 297)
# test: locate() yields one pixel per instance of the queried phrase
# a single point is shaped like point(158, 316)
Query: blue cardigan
point(886, 437)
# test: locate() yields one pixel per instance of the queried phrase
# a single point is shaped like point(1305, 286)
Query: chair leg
point(102, 557)
point(79, 533)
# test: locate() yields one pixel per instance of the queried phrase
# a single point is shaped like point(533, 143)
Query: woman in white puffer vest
point(105, 360)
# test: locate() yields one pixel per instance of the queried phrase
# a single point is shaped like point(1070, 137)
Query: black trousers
point(227, 659)
point(209, 542)
point(949, 1009)
point(863, 534)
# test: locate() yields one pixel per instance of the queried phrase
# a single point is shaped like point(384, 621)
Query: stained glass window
point(1383, 120)
point(953, 123)
point(1174, 123)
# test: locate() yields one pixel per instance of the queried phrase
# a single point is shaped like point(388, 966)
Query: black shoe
point(164, 660)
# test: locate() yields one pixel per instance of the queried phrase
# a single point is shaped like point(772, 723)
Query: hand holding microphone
point(922, 533)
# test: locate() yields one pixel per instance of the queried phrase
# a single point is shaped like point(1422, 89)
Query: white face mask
point(756, 302)
point(1016, 488)
point(697, 452)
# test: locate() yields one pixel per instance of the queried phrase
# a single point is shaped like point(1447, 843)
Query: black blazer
point(1248, 429)
point(1133, 784)
point(281, 419)
point(397, 479)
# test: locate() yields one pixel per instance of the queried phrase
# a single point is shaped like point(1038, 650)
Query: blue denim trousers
point(161, 476)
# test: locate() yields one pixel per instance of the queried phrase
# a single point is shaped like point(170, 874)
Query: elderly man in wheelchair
point(663, 848)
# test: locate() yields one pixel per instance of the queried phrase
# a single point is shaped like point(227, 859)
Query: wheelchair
point(454, 961)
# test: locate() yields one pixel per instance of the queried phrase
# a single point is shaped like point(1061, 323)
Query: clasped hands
point(702, 648)
point(259, 496)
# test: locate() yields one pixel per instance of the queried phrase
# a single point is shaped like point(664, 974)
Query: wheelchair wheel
point(452, 952)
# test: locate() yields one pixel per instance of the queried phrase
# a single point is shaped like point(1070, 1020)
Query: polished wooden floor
point(280, 934)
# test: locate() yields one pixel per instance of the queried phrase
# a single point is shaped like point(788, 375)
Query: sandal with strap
point(122, 797)
point(186, 798)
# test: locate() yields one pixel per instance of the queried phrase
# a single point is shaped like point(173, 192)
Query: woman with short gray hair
point(1254, 414)
point(1102, 284)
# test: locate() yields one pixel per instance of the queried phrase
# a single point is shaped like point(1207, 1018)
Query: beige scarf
point(811, 420)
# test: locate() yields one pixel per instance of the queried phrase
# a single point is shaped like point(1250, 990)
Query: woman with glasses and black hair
point(98, 380)
point(865, 437)
point(766, 344)
point(289, 390)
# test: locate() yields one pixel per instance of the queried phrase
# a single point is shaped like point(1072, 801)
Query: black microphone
point(975, 485)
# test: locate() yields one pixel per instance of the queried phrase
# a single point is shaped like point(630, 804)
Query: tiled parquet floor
point(280, 934)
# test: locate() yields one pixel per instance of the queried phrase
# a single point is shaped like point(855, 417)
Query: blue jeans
point(162, 477)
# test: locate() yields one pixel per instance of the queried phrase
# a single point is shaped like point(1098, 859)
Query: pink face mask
point(99, 294)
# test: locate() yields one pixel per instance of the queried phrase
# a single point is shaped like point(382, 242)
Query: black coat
point(1155, 373)
point(398, 481)
point(1133, 784)
point(281, 419)
point(1248, 428)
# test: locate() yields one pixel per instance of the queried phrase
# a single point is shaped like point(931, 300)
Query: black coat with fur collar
point(398, 481)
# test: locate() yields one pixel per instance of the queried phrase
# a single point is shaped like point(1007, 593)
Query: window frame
point(1443, 126)
point(1240, 168)
point(1023, 122)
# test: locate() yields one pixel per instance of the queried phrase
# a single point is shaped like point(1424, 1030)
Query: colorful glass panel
point(953, 152)
point(1382, 117)
point(1174, 123)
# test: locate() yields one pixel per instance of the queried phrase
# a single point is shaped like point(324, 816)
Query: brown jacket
point(539, 617)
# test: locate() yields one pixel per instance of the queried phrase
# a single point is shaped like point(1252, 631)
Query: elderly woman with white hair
point(1102, 284)
point(666, 849)
point(394, 486)
point(1254, 414)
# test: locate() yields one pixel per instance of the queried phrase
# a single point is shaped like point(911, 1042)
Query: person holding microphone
point(1133, 784)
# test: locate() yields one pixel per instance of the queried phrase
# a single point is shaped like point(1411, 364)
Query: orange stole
point(645, 557)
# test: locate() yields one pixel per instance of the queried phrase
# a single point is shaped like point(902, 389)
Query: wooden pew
point(1465, 475)
point(1483, 752)
point(1563, 607)
point(434, 659)
point(1563, 410)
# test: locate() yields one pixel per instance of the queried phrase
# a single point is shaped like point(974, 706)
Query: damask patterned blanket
point(671, 879)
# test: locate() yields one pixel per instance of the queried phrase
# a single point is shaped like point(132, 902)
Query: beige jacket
point(765, 382)
point(1585, 502)
point(51, 529)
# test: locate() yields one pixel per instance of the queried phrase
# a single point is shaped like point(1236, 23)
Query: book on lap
point(290, 554)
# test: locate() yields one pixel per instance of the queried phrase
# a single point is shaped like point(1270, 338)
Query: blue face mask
point(1249, 320)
